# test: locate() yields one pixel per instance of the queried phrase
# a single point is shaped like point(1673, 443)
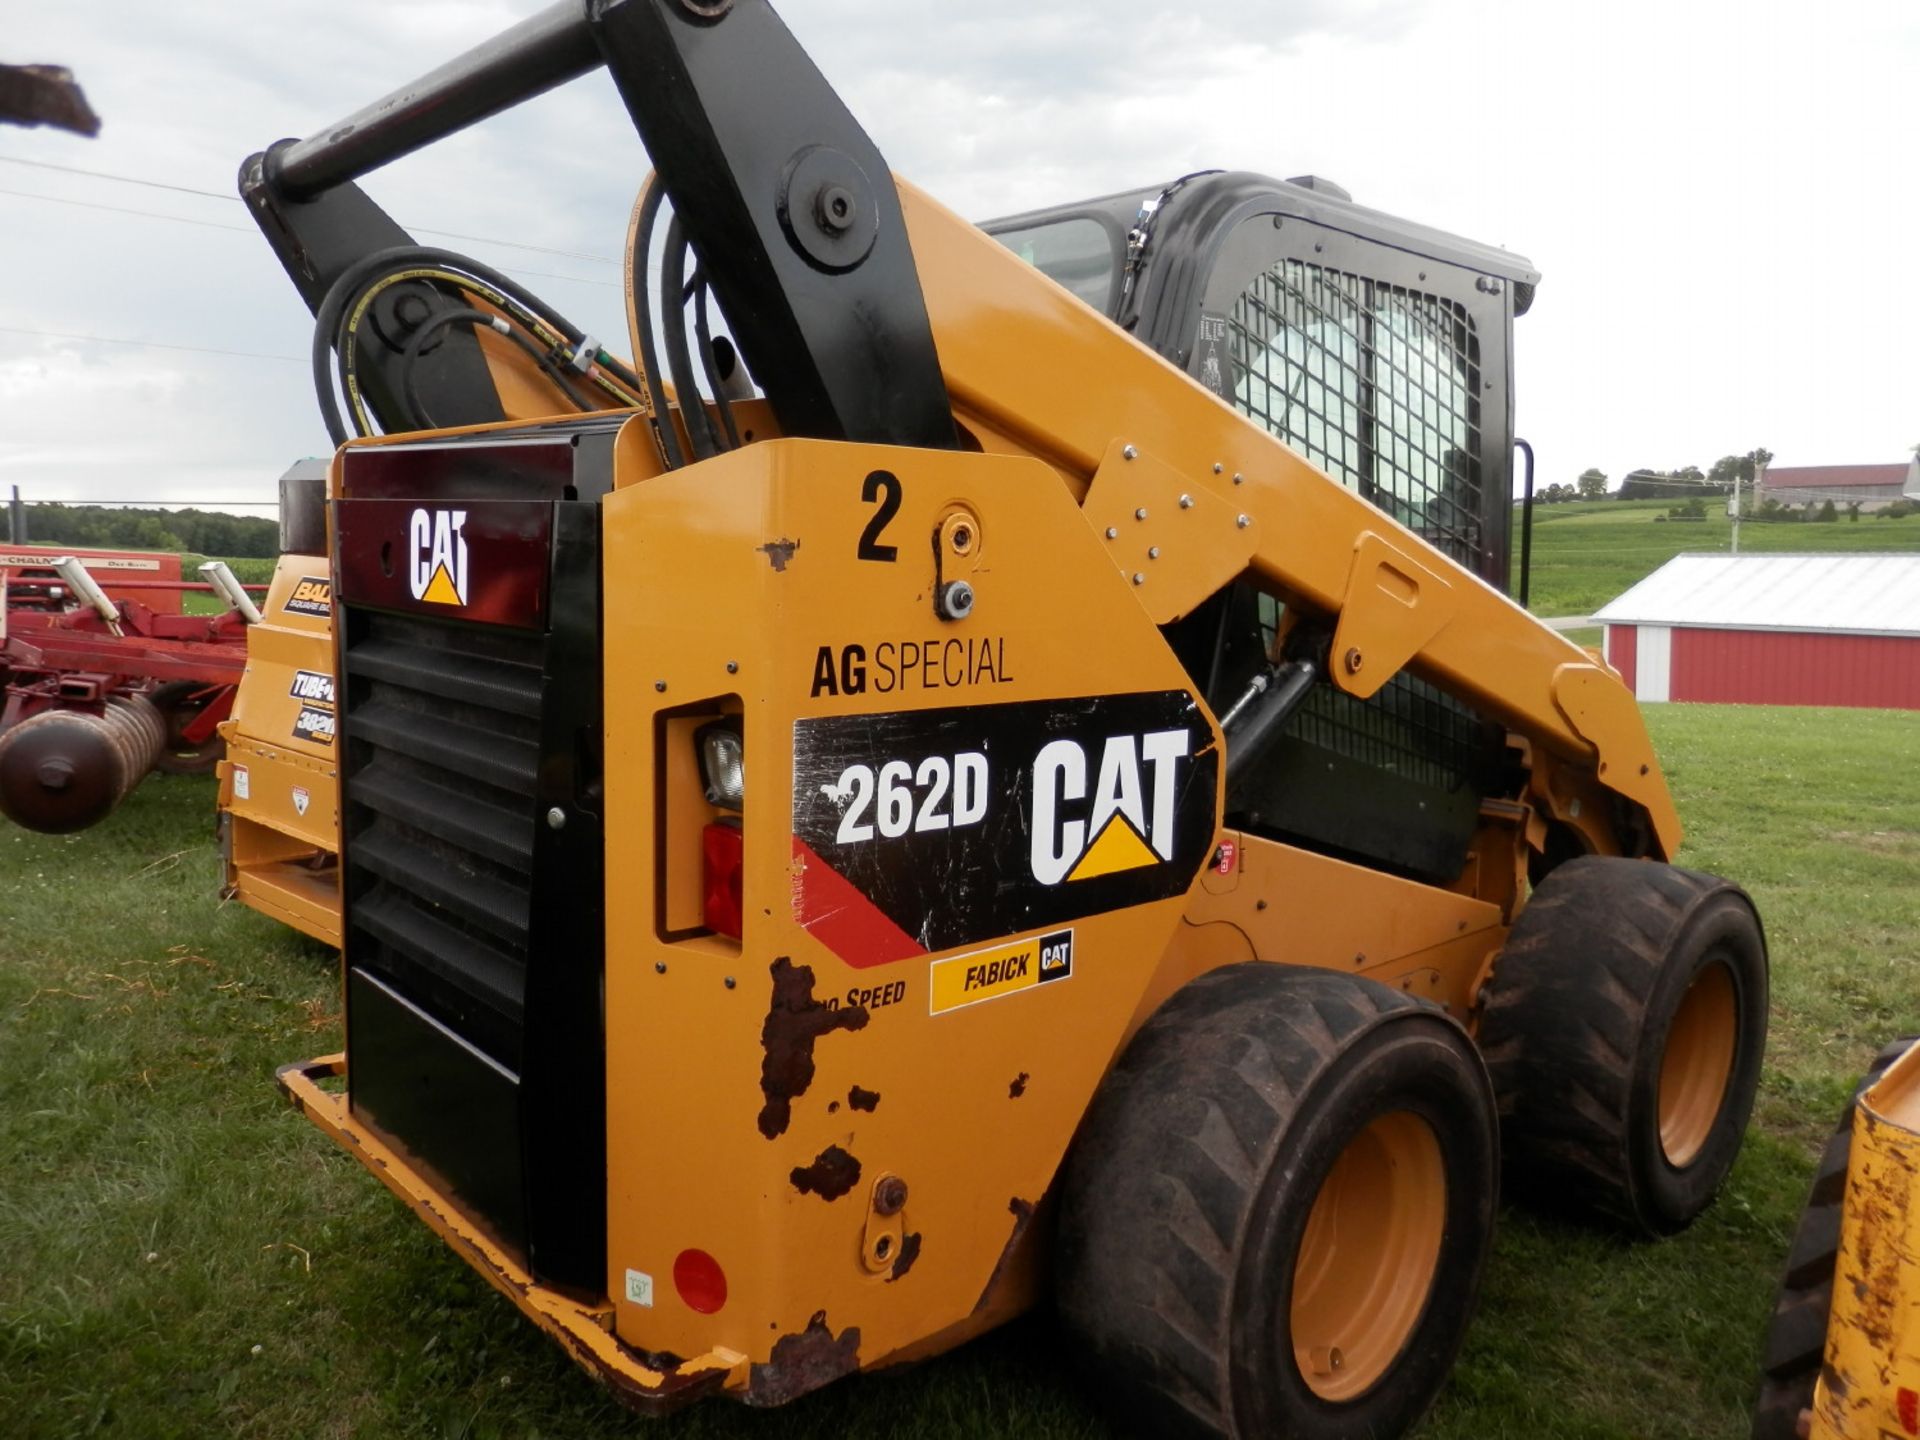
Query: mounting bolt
point(660, 685)
point(733, 667)
point(890, 1196)
point(730, 982)
point(956, 600)
point(1138, 578)
point(1153, 552)
point(1242, 521)
point(1353, 660)
point(1141, 513)
point(1112, 533)
point(1186, 502)
point(833, 207)
point(1218, 467)
point(1325, 1360)
point(659, 967)
point(1127, 452)
point(556, 819)
point(1238, 478)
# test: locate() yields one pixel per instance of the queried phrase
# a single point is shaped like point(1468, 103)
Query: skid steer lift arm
point(804, 244)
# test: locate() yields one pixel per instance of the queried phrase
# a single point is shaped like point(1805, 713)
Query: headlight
point(721, 751)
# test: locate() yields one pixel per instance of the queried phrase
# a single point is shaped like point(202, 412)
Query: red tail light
point(724, 860)
point(700, 1281)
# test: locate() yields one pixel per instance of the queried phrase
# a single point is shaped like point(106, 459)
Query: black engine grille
point(443, 757)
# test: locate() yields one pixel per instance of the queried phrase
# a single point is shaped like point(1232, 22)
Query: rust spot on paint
point(1022, 1212)
point(832, 1173)
point(779, 552)
point(863, 1099)
point(1018, 1087)
point(909, 1252)
point(794, 1021)
point(804, 1362)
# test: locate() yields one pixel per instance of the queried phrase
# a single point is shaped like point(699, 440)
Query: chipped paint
point(1022, 1212)
point(803, 1362)
point(794, 1021)
point(779, 552)
point(832, 1174)
point(1019, 1086)
point(859, 1099)
point(909, 1252)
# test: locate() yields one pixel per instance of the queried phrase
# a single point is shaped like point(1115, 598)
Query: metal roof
point(1859, 594)
point(1819, 477)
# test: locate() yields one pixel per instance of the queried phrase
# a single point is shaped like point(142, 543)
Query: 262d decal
point(918, 831)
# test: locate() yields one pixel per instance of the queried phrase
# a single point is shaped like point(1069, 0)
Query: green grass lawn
point(1585, 553)
point(182, 1255)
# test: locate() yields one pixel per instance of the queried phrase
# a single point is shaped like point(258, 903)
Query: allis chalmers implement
point(983, 815)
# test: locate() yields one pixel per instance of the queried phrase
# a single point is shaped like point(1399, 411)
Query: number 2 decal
point(883, 486)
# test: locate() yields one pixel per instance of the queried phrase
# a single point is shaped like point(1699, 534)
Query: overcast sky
point(1721, 195)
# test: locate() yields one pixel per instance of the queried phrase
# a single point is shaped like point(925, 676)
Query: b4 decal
point(918, 831)
point(312, 596)
point(314, 724)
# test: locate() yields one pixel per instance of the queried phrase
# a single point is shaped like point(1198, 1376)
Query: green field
point(1587, 552)
point(181, 1255)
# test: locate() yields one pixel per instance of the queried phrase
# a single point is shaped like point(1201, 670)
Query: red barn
point(1772, 630)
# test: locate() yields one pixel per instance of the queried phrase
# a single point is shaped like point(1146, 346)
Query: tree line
point(1685, 482)
point(204, 532)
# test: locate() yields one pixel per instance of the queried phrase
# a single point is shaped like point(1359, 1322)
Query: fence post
point(16, 520)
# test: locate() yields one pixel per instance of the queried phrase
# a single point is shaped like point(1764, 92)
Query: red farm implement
point(106, 677)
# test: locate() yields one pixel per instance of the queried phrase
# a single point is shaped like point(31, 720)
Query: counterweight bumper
point(651, 1386)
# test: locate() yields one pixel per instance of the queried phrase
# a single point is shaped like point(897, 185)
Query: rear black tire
point(1607, 955)
point(1797, 1334)
point(177, 706)
point(1189, 1190)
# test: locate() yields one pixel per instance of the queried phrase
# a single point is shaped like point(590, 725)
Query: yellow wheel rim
point(1368, 1256)
point(1698, 1065)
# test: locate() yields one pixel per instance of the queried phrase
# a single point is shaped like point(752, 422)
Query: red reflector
point(700, 1281)
point(725, 859)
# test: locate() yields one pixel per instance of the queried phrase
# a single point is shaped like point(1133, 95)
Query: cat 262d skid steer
point(943, 789)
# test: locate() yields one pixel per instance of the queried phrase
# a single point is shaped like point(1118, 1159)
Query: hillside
point(1587, 552)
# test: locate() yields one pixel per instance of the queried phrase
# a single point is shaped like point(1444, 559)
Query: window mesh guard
point(1378, 385)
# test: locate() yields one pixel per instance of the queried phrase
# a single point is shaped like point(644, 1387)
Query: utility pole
point(1733, 501)
point(16, 520)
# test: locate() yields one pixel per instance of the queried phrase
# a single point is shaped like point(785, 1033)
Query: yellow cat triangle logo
point(1119, 847)
point(440, 588)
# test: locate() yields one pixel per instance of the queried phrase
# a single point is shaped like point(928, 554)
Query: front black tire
point(1797, 1333)
point(1624, 1029)
point(180, 702)
point(1187, 1269)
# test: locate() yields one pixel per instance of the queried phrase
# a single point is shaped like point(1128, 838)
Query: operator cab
point(1376, 348)
point(1381, 351)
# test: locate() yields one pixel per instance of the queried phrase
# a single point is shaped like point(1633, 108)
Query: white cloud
point(1718, 193)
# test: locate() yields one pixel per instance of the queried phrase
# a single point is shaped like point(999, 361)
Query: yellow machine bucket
point(1869, 1387)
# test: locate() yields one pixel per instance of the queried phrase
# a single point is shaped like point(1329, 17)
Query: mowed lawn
point(1587, 552)
point(181, 1255)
